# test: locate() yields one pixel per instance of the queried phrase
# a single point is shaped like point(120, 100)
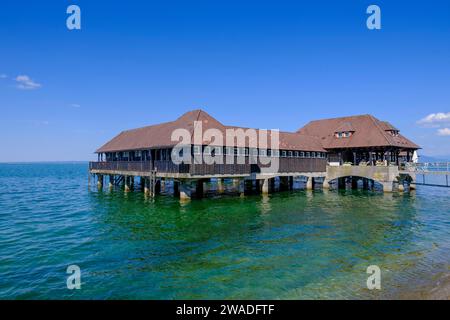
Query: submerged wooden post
point(310, 183)
point(100, 181)
point(126, 183)
point(354, 183)
point(241, 187)
point(185, 190)
point(220, 188)
point(265, 186)
point(365, 183)
point(146, 186)
point(176, 188)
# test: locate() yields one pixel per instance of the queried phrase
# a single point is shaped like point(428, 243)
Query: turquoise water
point(290, 245)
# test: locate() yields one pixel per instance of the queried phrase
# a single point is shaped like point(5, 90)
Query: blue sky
point(268, 64)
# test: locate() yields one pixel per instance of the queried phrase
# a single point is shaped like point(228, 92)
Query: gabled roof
point(368, 131)
point(159, 135)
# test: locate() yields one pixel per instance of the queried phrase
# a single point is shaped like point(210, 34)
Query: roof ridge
point(334, 118)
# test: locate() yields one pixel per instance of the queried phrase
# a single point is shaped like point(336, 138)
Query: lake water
point(289, 245)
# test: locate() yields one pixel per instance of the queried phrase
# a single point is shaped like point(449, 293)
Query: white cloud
point(435, 118)
point(75, 105)
point(3, 76)
point(443, 132)
point(26, 83)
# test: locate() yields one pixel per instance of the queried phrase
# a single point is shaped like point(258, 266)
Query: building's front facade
point(365, 147)
point(361, 140)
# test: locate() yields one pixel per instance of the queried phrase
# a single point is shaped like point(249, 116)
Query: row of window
point(255, 152)
point(240, 152)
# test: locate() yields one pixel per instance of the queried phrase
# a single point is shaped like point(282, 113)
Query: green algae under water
point(289, 245)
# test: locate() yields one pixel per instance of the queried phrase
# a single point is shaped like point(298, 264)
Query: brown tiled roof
point(368, 131)
point(345, 127)
point(159, 136)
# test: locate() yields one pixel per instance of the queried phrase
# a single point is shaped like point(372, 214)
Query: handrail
point(428, 167)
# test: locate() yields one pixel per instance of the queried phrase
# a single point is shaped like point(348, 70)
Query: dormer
point(344, 130)
point(389, 128)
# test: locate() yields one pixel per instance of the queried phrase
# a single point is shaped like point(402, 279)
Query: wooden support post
point(310, 183)
point(126, 183)
point(111, 181)
point(146, 186)
point(142, 183)
point(241, 187)
point(248, 186)
point(365, 183)
point(354, 183)
point(284, 183)
point(220, 187)
point(199, 188)
point(176, 188)
point(185, 190)
point(341, 183)
point(265, 186)
point(157, 188)
point(100, 181)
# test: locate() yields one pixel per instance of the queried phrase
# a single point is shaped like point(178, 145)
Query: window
point(197, 150)
point(229, 151)
point(283, 153)
point(269, 152)
point(276, 153)
point(207, 151)
point(296, 154)
point(246, 151)
point(262, 152)
point(306, 154)
point(217, 151)
point(290, 154)
point(302, 154)
point(313, 154)
point(254, 151)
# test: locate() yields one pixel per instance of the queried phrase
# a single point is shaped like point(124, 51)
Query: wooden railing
point(285, 165)
point(167, 166)
point(222, 169)
point(140, 166)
